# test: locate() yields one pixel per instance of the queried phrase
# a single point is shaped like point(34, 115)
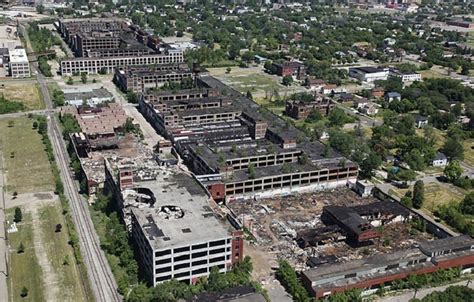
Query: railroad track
point(103, 283)
point(100, 275)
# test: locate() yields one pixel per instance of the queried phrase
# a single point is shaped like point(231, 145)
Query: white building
point(87, 96)
point(364, 187)
point(19, 66)
point(440, 160)
point(407, 77)
point(369, 74)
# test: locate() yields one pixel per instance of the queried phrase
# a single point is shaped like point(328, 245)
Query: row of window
point(194, 247)
point(239, 189)
point(186, 274)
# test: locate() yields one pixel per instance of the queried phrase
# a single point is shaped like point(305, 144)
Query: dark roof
point(393, 94)
point(448, 243)
point(381, 207)
point(349, 218)
point(420, 118)
point(368, 69)
point(440, 156)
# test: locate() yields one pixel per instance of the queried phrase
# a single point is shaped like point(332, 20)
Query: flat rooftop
point(166, 228)
point(331, 270)
point(80, 94)
point(18, 55)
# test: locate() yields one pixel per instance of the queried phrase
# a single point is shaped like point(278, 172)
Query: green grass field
point(24, 269)
point(60, 252)
point(25, 161)
point(436, 195)
point(28, 94)
point(469, 151)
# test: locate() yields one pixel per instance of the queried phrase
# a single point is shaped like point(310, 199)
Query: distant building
point(390, 96)
point(420, 121)
point(371, 272)
point(331, 88)
point(377, 92)
point(369, 74)
point(300, 109)
point(292, 68)
point(460, 23)
point(19, 66)
point(315, 84)
point(369, 108)
point(405, 77)
point(364, 187)
point(440, 160)
point(89, 97)
point(139, 78)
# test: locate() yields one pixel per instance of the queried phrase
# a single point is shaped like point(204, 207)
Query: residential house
point(440, 160)
point(390, 96)
point(420, 121)
point(377, 92)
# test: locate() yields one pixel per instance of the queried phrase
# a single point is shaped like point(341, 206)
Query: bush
point(18, 215)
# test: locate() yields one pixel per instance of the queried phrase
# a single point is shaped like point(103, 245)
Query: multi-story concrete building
point(300, 109)
point(406, 77)
point(140, 78)
point(19, 66)
point(383, 269)
point(171, 218)
point(369, 74)
point(107, 65)
point(102, 45)
point(239, 150)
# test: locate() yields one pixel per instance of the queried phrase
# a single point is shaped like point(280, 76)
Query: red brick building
point(371, 272)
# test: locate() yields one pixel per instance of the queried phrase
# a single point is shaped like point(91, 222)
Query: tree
point(58, 228)
point(465, 69)
point(40, 9)
point(228, 70)
point(251, 171)
point(11, 123)
point(453, 148)
point(418, 194)
point(467, 204)
point(24, 292)
point(371, 162)
point(406, 200)
point(337, 117)
point(453, 171)
point(35, 125)
point(70, 81)
point(83, 77)
point(18, 215)
point(287, 80)
point(132, 97)
point(215, 281)
point(21, 248)
point(249, 95)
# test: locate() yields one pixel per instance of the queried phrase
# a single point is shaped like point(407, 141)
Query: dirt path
point(50, 280)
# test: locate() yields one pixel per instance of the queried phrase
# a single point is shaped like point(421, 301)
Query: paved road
point(386, 187)
point(18, 114)
point(421, 293)
point(3, 240)
point(100, 275)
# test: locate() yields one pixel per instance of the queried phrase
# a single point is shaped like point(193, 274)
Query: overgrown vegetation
point(289, 279)
point(452, 293)
point(7, 106)
point(459, 216)
point(59, 190)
